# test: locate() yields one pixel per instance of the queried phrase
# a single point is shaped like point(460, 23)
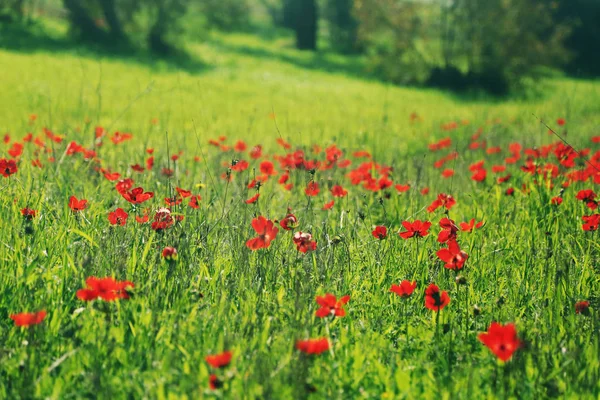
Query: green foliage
point(226, 15)
point(391, 32)
point(497, 45)
point(582, 17)
point(343, 25)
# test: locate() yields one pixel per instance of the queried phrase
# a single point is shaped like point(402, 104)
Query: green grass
point(529, 264)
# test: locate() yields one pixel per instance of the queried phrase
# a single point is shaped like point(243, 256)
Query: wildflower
point(312, 189)
point(448, 232)
point(328, 206)
point(169, 254)
point(28, 213)
point(194, 201)
point(219, 360)
point(588, 196)
point(253, 199)
point(107, 289)
point(7, 167)
point(443, 200)
point(304, 242)
point(415, 229)
point(313, 346)
point(289, 222)
point(591, 222)
point(501, 339)
point(338, 191)
point(28, 319)
point(330, 306)
point(266, 233)
point(77, 205)
point(405, 289)
point(468, 226)
point(582, 307)
point(453, 256)
point(214, 382)
point(137, 195)
point(380, 232)
point(118, 217)
point(434, 299)
point(556, 201)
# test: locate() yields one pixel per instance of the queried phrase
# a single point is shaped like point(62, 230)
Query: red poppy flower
point(501, 339)
point(118, 217)
point(7, 167)
point(582, 307)
point(107, 289)
point(183, 193)
point(112, 176)
point(328, 206)
point(448, 232)
point(557, 201)
point(510, 192)
point(137, 168)
point(16, 150)
point(219, 360)
point(304, 242)
point(443, 200)
point(169, 253)
point(194, 201)
point(447, 173)
point(402, 188)
point(289, 222)
point(142, 220)
point(415, 229)
point(405, 289)
point(28, 319)
point(425, 191)
point(240, 166)
point(453, 256)
point(380, 232)
point(267, 168)
point(561, 121)
point(28, 213)
point(173, 201)
point(588, 196)
point(313, 346)
point(77, 205)
point(479, 175)
point(330, 306)
point(124, 185)
point(591, 222)
point(266, 233)
point(469, 226)
point(162, 219)
point(214, 382)
point(434, 299)
point(253, 199)
point(338, 191)
point(312, 189)
point(137, 195)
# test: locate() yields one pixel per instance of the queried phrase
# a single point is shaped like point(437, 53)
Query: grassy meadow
point(528, 264)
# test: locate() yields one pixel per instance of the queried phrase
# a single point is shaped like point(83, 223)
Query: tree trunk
point(306, 25)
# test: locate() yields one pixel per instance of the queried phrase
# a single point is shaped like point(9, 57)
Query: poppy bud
point(170, 254)
point(461, 280)
point(582, 307)
point(476, 310)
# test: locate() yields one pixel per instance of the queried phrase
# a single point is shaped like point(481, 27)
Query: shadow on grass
point(317, 61)
point(31, 39)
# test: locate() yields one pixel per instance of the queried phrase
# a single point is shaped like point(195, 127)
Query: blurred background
point(494, 46)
